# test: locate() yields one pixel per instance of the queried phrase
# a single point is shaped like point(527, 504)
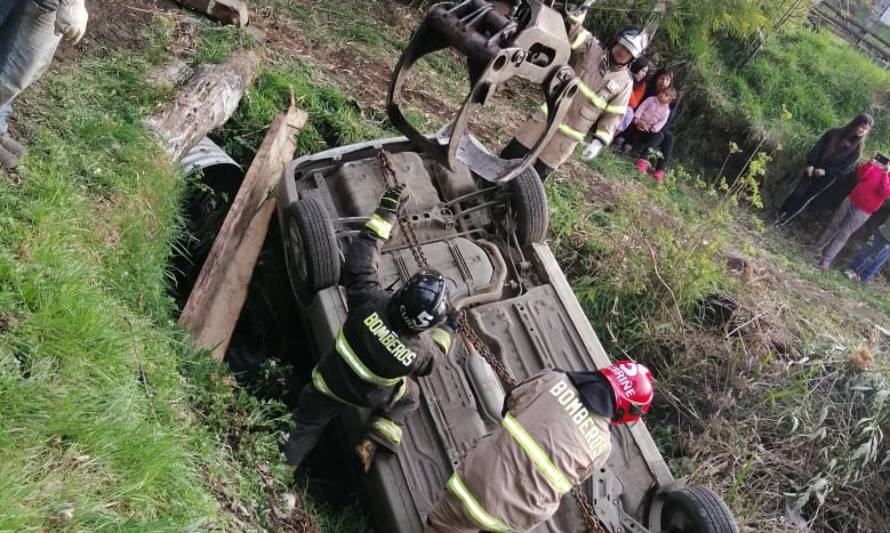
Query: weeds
point(765, 398)
point(110, 420)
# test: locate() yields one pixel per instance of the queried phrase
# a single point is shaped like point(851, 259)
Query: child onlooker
point(649, 119)
point(866, 198)
point(872, 255)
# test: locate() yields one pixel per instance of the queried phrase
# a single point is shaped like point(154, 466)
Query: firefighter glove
point(391, 200)
point(592, 150)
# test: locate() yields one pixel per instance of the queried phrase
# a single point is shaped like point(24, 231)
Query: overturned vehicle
point(481, 221)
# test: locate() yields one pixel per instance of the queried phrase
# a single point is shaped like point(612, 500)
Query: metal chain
point(407, 227)
point(590, 520)
point(473, 340)
point(507, 381)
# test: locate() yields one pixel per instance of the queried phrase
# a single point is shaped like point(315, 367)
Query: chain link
point(590, 520)
point(473, 340)
point(407, 227)
point(507, 381)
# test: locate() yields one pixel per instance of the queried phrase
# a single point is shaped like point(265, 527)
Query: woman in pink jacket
point(867, 197)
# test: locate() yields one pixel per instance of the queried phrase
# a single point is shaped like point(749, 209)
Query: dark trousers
point(516, 150)
point(315, 410)
point(806, 190)
point(663, 141)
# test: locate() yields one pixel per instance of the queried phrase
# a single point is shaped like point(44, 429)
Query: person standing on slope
point(867, 197)
point(384, 342)
point(601, 100)
point(30, 32)
point(833, 156)
point(554, 435)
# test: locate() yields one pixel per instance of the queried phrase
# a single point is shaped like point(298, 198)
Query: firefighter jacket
point(601, 101)
point(548, 443)
point(369, 361)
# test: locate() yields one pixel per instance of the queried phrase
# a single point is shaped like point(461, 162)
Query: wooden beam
point(219, 293)
point(204, 103)
point(232, 12)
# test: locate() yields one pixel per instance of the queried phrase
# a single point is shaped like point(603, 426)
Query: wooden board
point(215, 303)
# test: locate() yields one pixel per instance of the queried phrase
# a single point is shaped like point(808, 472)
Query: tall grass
point(108, 419)
point(777, 401)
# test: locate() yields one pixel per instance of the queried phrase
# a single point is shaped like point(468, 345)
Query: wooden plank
point(215, 303)
point(204, 103)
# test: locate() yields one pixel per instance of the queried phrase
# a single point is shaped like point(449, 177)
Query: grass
point(334, 118)
point(768, 405)
point(109, 419)
point(348, 24)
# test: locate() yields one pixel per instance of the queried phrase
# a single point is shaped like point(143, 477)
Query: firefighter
point(384, 342)
point(601, 100)
point(554, 435)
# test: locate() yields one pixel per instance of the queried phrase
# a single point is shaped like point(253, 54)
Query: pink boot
point(643, 166)
point(659, 175)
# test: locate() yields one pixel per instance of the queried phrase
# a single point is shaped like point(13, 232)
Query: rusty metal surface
point(499, 44)
point(536, 327)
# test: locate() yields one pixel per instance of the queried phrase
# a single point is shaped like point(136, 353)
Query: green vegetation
point(782, 95)
point(768, 391)
point(109, 419)
point(334, 118)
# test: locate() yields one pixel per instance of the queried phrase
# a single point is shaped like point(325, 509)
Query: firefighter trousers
point(448, 516)
point(315, 410)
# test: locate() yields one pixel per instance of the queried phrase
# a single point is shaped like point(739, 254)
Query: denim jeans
point(871, 257)
point(5, 111)
point(847, 219)
point(10, 18)
point(27, 50)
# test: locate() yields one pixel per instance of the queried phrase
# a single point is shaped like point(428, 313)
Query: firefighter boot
point(366, 450)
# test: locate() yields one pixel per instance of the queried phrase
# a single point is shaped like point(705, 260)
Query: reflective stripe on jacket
point(548, 443)
point(599, 105)
point(369, 361)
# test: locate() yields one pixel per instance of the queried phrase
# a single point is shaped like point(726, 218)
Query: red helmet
point(632, 384)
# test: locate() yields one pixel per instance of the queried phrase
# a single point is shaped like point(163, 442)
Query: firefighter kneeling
point(383, 343)
point(554, 435)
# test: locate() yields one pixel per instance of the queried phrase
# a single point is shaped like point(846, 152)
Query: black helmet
point(419, 304)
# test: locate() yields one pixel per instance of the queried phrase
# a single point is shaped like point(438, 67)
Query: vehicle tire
point(683, 509)
point(311, 253)
point(530, 206)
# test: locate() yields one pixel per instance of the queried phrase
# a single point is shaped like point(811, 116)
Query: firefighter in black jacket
point(384, 342)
